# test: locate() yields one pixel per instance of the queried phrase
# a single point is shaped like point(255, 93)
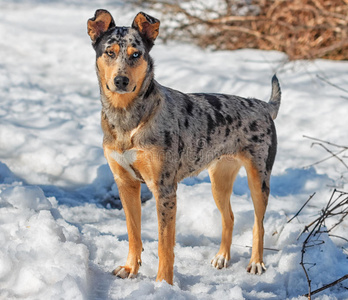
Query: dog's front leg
point(129, 190)
point(130, 198)
point(166, 213)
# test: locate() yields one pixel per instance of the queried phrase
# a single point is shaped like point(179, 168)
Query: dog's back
point(198, 128)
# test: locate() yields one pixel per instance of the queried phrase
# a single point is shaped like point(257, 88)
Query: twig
point(337, 236)
point(265, 248)
point(333, 154)
point(311, 196)
point(330, 83)
point(325, 142)
point(326, 286)
point(325, 159)
point(336, 206)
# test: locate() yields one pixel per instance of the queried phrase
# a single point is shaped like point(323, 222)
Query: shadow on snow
point(103, 191)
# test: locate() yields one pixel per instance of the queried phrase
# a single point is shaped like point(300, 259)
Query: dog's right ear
point(101, 22)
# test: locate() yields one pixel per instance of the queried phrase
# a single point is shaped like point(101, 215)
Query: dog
point(158, 136)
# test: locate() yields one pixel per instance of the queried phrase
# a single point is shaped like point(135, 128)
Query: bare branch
point(325, 142)
point(336, 206)
point(327, 286)
point(337, 236)
point(330, 83)
point(333, 154)
point(324, 159)
point(309, 199)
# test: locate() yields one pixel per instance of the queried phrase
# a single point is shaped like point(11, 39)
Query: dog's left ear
point(147, 26)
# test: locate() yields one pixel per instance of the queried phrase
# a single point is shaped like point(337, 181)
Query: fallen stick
point(327, 286)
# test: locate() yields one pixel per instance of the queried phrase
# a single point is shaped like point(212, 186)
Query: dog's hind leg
point(222, 175)
point(258, 180)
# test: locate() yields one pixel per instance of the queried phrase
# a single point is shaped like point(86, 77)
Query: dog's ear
point(147, 26)
point(101, 22)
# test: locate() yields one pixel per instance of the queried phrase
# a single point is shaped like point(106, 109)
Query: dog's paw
point(123, 272)
point(219, 261)
point(256, 268)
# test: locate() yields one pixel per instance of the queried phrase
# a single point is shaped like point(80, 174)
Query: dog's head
point(122, 52)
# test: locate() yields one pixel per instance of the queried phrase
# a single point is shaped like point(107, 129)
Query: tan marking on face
point(114, 48)
point(108, 71)
point(131, 50)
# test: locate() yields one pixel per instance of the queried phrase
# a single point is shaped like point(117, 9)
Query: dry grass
point(303, 29)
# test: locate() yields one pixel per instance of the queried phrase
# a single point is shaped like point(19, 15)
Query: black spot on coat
point(229, 119)
point(211, 125)
point(250, 102)
point(265, 188)
point(239, 118)
point(253, 126)
point(167, 139)
point(272, 149)
point(181, 146)
point(219, 118)
point(255, 139)
point(189, 105)
point(149, 89)
point(213, 101)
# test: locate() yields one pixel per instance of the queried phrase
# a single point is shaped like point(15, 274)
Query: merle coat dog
point(159, 136)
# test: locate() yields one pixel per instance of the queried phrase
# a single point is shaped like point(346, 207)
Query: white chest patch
point(125, 160)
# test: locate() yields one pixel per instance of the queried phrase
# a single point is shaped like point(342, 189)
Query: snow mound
point(40, 255)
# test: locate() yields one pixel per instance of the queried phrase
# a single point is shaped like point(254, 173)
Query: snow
point(61, 229)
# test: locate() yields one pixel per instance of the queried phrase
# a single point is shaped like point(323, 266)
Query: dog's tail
point(274, 101)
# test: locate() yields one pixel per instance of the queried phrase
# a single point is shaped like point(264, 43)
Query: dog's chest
point(126, 161)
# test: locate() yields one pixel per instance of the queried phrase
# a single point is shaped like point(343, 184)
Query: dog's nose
point(121, 82)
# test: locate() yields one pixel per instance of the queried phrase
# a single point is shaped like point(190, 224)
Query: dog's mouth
point(120, 91)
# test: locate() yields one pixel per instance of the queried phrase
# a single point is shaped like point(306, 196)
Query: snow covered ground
point(61, 233)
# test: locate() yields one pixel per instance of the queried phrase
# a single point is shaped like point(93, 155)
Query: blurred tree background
point(303, 29)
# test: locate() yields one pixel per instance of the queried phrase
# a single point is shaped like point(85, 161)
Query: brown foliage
point(303, 29)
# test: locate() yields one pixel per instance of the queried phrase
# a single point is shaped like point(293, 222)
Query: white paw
point(219, 262)
point(256, 268)
point(123, 273)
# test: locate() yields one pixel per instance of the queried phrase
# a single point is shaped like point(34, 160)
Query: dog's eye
point(111, 54)
point(135, 55)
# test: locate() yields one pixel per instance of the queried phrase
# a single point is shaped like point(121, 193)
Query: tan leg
point(259, 189)
point(150, 165)
point(222, 175)
point(129, 190)
point(166, 213)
